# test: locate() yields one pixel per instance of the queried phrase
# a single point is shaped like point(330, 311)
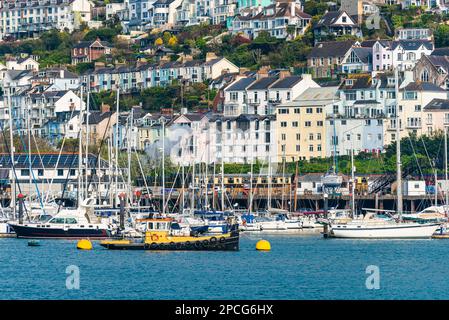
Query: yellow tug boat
point(164, 234)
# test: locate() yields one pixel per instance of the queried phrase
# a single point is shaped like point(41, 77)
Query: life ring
point(154, 237)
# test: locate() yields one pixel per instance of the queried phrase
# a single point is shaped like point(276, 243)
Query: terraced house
point(283, 20)
point(146, 75)
point(29, 18)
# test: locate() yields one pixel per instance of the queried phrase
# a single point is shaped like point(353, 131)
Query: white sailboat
point(373, 225)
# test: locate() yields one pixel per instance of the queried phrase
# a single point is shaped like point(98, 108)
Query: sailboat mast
point(29, 150)
point(353, 180)
point(116, 145)
point(398, 148)
point(222, 182)
point(163, 167)
point(80, 148)
point(130, 125)
point(445, 167)
point(87, 140)
point(11, 142)
point(250, 196)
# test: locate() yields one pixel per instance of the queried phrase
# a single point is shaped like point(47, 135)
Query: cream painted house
point(413, 97)
point(436, 116)
point(301, 124)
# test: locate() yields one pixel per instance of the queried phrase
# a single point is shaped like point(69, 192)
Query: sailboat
point(384, 226)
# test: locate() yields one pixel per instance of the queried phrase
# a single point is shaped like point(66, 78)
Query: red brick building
point(88, 51)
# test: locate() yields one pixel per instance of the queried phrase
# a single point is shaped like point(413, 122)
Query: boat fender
point(154, 237)
point(197, 244)
point(213, 240)
point(172, 245)
point(188, 244)
point(179, 245)
point(222, 240)
point(205, 243)
point(153, 246)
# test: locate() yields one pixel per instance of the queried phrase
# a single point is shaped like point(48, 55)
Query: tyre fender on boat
point(153, 246)
point(172, 245)
point(213, 240)
point(205, 243)
point(222, 240)
point(197, 244)
point(188, 244)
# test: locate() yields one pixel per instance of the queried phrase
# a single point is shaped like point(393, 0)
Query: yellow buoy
point(84, 244)
point(263, 245)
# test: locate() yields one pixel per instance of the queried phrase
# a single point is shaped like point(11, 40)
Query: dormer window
point(349, 82)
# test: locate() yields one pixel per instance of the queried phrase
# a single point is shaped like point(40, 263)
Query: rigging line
point(59, 155)
point(416, 159)
point(12, 165)
point(64, 188)
point(30, 163)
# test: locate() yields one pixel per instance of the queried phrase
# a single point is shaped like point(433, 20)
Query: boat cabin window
point(57, 220)
point(70, 221)
point(158, 226)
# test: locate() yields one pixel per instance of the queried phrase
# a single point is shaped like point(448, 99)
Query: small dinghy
point(33, 243)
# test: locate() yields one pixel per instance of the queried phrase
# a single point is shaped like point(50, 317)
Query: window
point(311, 147)
point(283, 111)
point(297, 110)
point(283, 137)
point(40, 172)
point(295, 124)
point(25, 172)
point(298, 136)
point(311, 136)
point(298, 148)
point(60, 172)
point(283, 124)
point(309, 110)
point(319, 123)
point(417, 107)
point(308, 123)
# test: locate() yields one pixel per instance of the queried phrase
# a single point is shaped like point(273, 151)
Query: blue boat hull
point(31, 232)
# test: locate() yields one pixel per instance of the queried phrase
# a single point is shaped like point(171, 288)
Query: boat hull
point(219, 244)
point(31, 232)
point(405, 231)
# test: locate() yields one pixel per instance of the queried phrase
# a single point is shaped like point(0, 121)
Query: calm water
point(298, 267)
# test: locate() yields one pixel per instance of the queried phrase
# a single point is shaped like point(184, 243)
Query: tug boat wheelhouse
point(166, 234)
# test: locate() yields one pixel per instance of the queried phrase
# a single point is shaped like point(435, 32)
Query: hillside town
point(224, 82)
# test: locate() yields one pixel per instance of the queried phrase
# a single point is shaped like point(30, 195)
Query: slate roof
point(364, 54)
point(331, 18)
point(422, 86)
point(440, 52)
point(437, 104)
point(331, 49)
point(95, 117)
point(440, 61)
point(286, 83)
point(263, 83)
point(241, 84)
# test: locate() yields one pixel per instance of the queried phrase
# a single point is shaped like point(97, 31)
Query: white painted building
point(401, 54)
point(29, 18)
